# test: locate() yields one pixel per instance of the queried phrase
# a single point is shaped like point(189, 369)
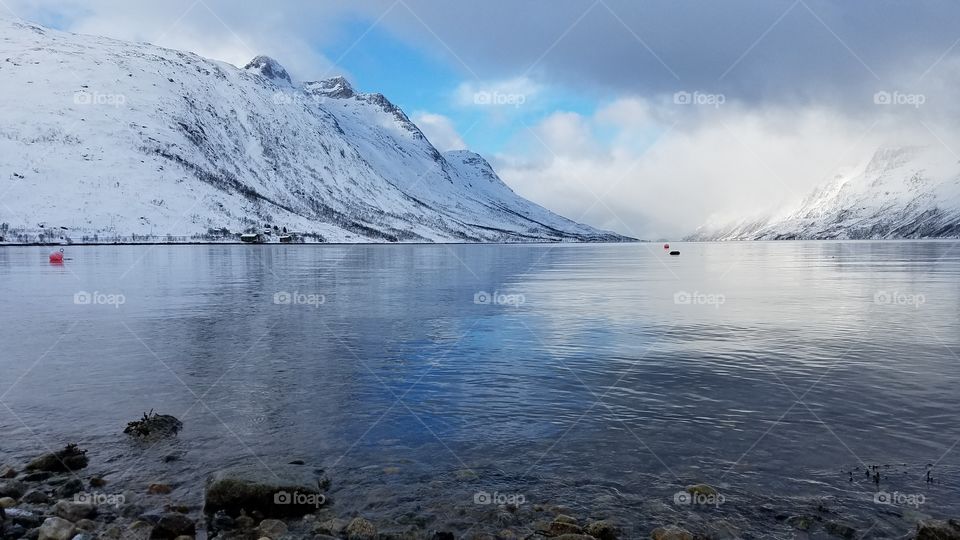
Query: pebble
point(74, 511)
point(87, 525)
point(172, 525)
point(564, 524)
point(24, 517)
point(272, 528)
point(35, 496)
point(361, 529)
point(12, 488)
point(15, 531)
point(70, 488)
point(159, 489)
point(334, 527)
point(222, 521)
point(702, 489)
point(138, 530)
point(245, 522)
point(55, 528)
point(602, 530)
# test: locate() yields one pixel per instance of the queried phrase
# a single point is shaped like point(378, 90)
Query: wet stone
point(12, 488)
point(70, 488)
point(35, 496)
point(172, 525)
point(55, 528)
point(71, 458)
point(361, 529)
point(74, 511)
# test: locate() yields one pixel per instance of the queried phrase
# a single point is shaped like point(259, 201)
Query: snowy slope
point(903, 192)
point(103, 140)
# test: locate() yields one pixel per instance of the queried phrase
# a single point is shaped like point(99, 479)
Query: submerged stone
point(154, 426)
point(282, 490)
point(71, 458)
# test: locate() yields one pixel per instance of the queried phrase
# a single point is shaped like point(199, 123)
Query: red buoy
point(56, 257)
point(666, 246)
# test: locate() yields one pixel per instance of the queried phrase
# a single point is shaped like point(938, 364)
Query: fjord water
point(600, 378)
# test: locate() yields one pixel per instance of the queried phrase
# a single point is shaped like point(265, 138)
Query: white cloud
point(439, 130)
point(213, 29)
point(653, 170)
point(507, 93)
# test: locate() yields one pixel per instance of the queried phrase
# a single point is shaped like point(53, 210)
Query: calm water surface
point(603, 378)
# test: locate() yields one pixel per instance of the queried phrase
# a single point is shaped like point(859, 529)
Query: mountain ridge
point(114, 141)
point(902, 192)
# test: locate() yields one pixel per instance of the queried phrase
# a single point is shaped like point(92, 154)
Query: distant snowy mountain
point(907, 192)
point(103, 140)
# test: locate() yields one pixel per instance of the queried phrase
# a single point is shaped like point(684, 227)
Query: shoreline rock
point(251, 502)
point(284, 490)
point(154, 426)
point(70, 459)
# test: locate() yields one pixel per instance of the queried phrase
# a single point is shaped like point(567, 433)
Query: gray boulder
point(74, 511)
point(154, 426)
point(361, 529)
point(36, 496)
point(55, 528)
point(173, 525)
point(282, 490)
point(12, 488)
point(71, 458)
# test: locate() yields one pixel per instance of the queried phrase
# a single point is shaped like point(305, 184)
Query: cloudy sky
point(646, 117)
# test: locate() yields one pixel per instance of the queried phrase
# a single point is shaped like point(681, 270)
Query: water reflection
point(623, 374)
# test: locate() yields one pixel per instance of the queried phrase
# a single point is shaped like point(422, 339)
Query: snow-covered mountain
point(903, 192)
point(103, 139)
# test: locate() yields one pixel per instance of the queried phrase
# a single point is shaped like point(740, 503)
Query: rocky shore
point(56, 497)
point(53, 498)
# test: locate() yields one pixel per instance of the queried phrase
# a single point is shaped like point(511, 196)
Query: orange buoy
point(57, 257)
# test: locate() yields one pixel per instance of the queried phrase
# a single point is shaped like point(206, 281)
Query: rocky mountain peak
point(335, 87)
point(269, 69)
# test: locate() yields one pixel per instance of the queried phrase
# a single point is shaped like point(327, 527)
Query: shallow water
point(610, 376)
